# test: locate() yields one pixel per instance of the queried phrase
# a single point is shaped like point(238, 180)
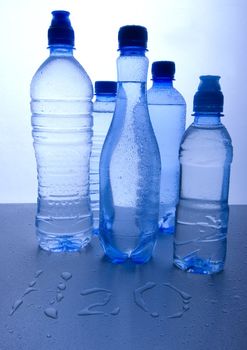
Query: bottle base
point(199, 266)
point(63, 243)
point(140, 255)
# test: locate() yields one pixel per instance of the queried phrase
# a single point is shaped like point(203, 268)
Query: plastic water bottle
point(167, 110)
point(103, 108)
point(205, 158)
point(130, 160)
point(61, 94)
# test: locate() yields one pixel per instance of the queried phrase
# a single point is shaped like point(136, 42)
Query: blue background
point(202, 37)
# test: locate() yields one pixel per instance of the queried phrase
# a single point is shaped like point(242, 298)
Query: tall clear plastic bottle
point(103, 108)
point(205, 158)
point(167, 110)
point(61, 105)
point(130, 160)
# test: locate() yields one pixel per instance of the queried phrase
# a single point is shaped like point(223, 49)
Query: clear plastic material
point(202, 213)
point(61, 94)
point(130, 168)
point(167, 110)
point(103, 109)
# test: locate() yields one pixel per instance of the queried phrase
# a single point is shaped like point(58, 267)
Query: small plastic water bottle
point(205, 158)
point(167, 110)
point(103, 108)
point(130, 160)
point(61, 105)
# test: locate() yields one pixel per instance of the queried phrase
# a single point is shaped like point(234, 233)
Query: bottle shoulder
point(215, 140)
point(165, 95)
point(61, 75)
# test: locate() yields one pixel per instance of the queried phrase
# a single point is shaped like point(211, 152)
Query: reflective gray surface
point(152, 306)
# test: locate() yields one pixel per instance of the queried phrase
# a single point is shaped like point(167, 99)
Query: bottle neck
point(162, 83)
point(132, 65)
point(61, 50)
point(206, 118)
point(105, 97)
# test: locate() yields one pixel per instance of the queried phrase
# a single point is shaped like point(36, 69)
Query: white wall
point(202, 37)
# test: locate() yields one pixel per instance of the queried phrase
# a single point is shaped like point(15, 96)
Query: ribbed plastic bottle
point(130, 160)
point(61, 105)
point(103, 108)
point(205, 157)
point(167, 110)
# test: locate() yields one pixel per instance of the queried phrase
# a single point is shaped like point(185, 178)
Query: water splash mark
point(88, 310)
point(94, 290)
point(177, 315)
point(183, 294)
point(38, 273)
point(15, 306)
point(51, 311)
point(186, 298)
point(32, 283)
point(29, 290)
point(138, 295)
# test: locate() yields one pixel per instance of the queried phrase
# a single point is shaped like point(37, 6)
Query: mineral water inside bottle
point(168, 123)
point(167, 110)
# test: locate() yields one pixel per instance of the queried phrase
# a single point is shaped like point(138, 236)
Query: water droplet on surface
point(59, 296)
point(115, 311)
point(51, 302)
point(29, 290)
point(87, 311)
point(176, 315)
point(94, 290)
point(186, 307)
point(51, 312)
point(48, 336)
point(186, 301)
point(66, 276)
point(61, 286)
point(38, 273)
point(15, 306)
point(138, 295)
point(32, 283)
point(155, 314)
point(183, 294)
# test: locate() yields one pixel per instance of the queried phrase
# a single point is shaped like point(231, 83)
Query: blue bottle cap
point(60, 31)
point(105, 87)
point(132, 36)
point(163, 69)
point(209, 97)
